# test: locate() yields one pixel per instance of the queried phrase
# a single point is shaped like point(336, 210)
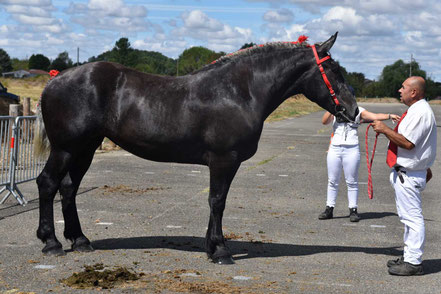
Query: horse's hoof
point(223, 260)
point(83, 248)
point(82, 244)
point(54, 251)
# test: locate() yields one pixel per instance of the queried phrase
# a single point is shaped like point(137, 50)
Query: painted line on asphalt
point(322, 283)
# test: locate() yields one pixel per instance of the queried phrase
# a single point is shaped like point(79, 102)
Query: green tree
point(18, 64)
point(39, 61)
point(195, 58)
point(5, 61)
point(146, 61)
point(371, 89)
point(357, 81)
point(433, 89)
point(123, 53)
point(62, 62)
point(154, 62)
point(393, 76)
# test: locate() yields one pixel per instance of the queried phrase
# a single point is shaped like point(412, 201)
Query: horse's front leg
point(222, 171)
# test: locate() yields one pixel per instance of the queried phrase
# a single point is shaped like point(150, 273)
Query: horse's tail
point(42, 145)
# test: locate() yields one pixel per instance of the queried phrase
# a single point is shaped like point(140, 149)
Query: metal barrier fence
point(17, 161)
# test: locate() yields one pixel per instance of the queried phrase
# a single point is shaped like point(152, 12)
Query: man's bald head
point(419, 84)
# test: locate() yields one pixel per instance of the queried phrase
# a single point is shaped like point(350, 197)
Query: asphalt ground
point(151, 218)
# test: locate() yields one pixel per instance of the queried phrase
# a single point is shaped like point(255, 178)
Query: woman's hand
point(394, 117)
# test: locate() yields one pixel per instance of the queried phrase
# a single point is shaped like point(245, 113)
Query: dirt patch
point(198, 287)
point(232, 236)
point(188, 281)
point(123, 189)
point(95, 276)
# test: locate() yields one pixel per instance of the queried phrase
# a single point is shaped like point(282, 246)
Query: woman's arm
point(370, 116)
point(327, 118)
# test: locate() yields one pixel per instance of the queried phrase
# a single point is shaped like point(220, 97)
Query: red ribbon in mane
point(53, 73)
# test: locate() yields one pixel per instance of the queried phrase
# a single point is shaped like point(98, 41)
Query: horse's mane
point(300, 43)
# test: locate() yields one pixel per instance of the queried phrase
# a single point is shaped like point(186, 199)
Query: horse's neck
point(276, 80)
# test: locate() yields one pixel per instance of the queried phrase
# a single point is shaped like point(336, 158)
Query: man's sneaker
point(353, 215)
point(397, 261)
point(327, 214)
point(406, 269)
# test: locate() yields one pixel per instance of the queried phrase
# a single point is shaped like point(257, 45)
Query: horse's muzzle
point(342, 115)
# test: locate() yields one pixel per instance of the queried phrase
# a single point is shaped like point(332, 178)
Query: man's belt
point(400, 171)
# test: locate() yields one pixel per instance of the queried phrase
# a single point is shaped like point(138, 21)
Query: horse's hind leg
point(222, 172)
point(68, 190)
point(48, 183)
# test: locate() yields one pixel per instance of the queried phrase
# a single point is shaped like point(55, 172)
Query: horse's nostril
point(340, 108)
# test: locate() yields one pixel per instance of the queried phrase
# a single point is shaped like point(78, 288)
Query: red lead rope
point(369, 163)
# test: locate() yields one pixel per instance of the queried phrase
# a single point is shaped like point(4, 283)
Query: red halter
point(322, 70)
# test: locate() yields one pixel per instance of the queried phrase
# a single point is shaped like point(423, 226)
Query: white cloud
point(33, 20)
point(28, 2)
point(98, 14)
point(4, 29)
point(168, 47)
point(392, 6)
point(343, 15)
point(280, 16)
point(197, 25)
point(196, 19)
point(117, 8)
point(26, 10)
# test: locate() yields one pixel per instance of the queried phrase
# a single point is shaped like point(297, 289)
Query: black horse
point(212, 117)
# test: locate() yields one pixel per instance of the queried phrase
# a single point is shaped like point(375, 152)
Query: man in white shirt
point(415, 150)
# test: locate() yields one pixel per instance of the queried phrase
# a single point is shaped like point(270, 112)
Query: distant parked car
point(4, 94)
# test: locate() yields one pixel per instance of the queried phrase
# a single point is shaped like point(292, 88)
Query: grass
point(295, 106)
point(29, 87)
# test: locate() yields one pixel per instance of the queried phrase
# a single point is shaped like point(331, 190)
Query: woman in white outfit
point(344, 153)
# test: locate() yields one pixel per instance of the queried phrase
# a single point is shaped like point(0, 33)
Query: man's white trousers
point(409, 209)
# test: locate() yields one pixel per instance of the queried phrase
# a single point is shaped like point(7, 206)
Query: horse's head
point(324, 84)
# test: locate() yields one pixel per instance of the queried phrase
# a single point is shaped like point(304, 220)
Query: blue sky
point(372, 33)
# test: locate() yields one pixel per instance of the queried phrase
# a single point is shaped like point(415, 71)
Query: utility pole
point(410, 66)
point(177, 66)
point(78, 56)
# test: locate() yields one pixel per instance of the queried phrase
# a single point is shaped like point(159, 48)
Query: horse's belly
point(175, 152)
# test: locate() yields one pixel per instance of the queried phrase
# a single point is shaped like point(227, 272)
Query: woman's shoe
point(327, 214)
point(353, 215)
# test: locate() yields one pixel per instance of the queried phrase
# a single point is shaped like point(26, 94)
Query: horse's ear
point(327, 45)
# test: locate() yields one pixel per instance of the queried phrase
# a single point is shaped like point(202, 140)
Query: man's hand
point(379, 126)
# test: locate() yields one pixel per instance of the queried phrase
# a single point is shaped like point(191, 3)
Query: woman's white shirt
point(346, 133)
